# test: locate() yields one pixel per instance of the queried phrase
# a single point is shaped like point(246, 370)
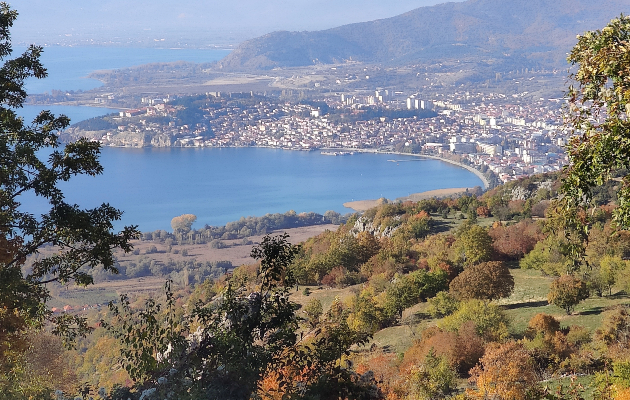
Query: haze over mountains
point(536, 33)
point(190, 23)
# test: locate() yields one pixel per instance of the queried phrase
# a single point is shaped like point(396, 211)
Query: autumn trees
point(567, 291)
point(82, 240)
point(485, 281)
point(597, 117)
point(473, 245)
point(506, 371)
point(244, 342)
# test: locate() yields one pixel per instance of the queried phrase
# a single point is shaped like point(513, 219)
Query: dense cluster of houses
point(511, 136)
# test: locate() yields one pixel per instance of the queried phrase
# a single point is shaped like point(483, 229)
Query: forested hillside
point(418, 298)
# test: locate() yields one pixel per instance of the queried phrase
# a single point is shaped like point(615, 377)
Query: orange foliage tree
point(483, 211)
point(506, 371)
point(462, 349)
point(485, 281)
point(542, 323)
point(567, 291)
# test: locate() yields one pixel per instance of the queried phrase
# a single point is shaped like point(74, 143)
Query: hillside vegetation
point(443, 290)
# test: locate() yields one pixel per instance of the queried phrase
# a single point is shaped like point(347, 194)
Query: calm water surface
point(68, 67)
point(75, 113)
point(220, 185)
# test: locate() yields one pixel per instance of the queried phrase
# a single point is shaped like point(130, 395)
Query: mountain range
point(529, 33)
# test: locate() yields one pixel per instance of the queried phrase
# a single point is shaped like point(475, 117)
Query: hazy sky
point(55, 20)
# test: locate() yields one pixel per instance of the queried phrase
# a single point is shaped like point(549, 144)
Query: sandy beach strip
point(363, 205)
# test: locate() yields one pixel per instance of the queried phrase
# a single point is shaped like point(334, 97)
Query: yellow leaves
point(183, 223)
point(506, 371)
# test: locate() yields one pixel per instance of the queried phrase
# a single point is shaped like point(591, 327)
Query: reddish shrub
point(513, 242)
point(338, 277)
point(483, 211)
point(462, 349)
point(451, 271)
point(423, 264)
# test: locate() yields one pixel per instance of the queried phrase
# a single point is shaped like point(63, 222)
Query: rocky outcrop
point(364, 225)
point(161, 140)
point(524, 193)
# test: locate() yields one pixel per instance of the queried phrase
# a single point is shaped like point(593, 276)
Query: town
point(508, 135)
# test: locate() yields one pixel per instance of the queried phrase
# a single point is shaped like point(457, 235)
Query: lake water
point(75, 113)
point(68, 67)
point(219, 185)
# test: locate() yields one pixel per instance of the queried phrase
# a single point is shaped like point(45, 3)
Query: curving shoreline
point(486, 184)
point(363, 205)
point(475, 171)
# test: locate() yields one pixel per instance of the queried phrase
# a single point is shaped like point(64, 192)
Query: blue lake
point(75, 113)
point(220, 185)
point(68, 67)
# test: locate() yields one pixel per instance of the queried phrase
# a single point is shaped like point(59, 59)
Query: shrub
point(485, 281)
point(513, 242)
point(340, 277)
point(313, 311)
point(217, 244)
point(451, 271)
point(542, 323)
point(420, 225)
point(473, 245)
point(433, 378)
point(578, 335)
point(462, 349)
point(567, 291)
point(366, 316)
point(506, 371)
point(483, 211)
point(442, 304)
point(540, 209)
point(615, 328)
point(547, 256)
point(490, 321)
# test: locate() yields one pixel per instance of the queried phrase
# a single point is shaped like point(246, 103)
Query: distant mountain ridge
point(540, 31)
